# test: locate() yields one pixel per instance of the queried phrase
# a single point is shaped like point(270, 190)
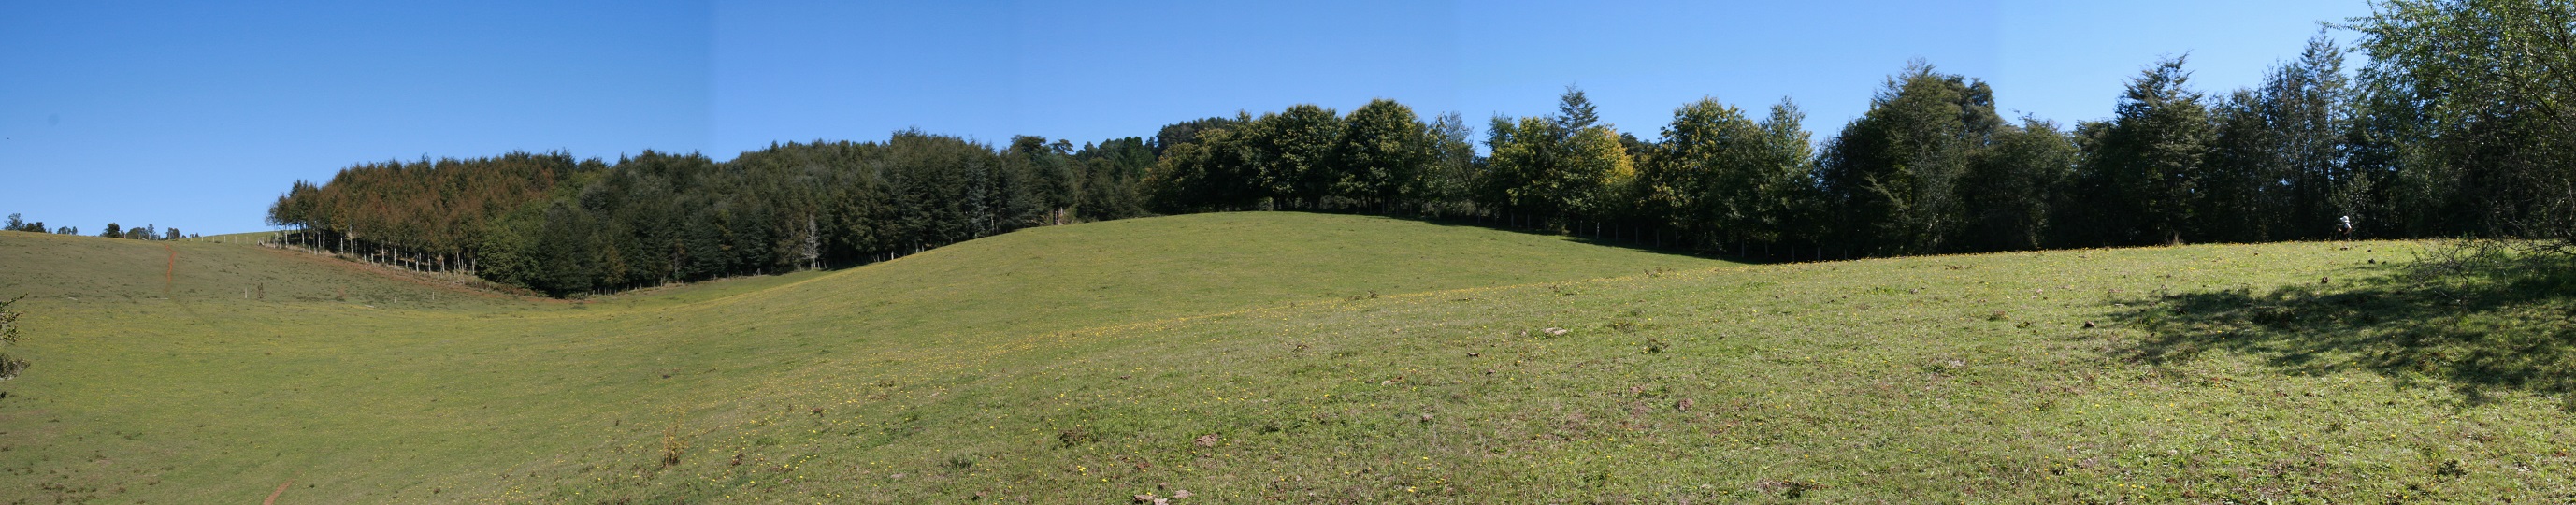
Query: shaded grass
point(2474, 320)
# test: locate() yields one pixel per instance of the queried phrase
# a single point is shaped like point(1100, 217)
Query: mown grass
point(1244, 358)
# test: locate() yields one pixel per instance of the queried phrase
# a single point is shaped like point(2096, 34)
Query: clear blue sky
point(197, 116)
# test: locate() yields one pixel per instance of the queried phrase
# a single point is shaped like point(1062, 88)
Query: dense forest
point(2455, 126)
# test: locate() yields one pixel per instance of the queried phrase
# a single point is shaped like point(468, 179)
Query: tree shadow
point(1629, 238)
point(2474, 319)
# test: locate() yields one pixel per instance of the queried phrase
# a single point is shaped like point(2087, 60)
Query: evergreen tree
point(2277, 154)
point(1574, 112)
point(2140, 176)
point(1112, 173)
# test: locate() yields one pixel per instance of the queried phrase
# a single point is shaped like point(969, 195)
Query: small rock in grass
point(1555, 331)
point(1181, 494)
point(2088, 325)
point(1208, 440)
point(1472, 354)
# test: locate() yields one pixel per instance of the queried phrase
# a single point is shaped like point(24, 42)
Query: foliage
point(1562, 168)
point(2276, 165)
point(19, 223)
point(563, 227)
point(2469, 108)
point(2143, 168)
point(2011, 186)
point(2454, 127)
point(1894, 173)
point(1383, 156)
point(1719, 177)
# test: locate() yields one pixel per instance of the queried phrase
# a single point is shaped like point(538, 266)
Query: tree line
point(563, 226)
point(18, 222)
point(2454, 127)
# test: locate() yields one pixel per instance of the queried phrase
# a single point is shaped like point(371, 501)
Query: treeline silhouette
point(2453, 128)
point(19, 222)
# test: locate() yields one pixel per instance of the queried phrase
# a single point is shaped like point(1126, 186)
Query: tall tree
point(1541, 170)
point(2139, 177)
point(1894, 172)
point(1215, 171)
point(2481, 95)
point(1058, 184)
point(1383, 155)
point(1292, 150)
point(2011, 186)
point(1574, 111)
point(1453, 171)
point(1112, 173)
point(2277, 154)
point(1692, 183)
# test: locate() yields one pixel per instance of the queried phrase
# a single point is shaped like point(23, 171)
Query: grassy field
point(1289, 357)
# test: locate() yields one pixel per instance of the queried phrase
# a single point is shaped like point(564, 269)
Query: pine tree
point(2140, 176)
point(1574, 111)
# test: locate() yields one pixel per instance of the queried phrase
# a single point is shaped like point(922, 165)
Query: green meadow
point(1293, 357)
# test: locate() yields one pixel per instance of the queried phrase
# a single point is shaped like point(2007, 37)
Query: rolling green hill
point(1251, 357)
point(364, 385)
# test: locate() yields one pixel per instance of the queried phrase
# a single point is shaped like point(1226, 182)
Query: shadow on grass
point(2477, 320)
point(1626, 239)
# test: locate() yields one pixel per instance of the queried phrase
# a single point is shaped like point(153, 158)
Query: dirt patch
point(281, 489)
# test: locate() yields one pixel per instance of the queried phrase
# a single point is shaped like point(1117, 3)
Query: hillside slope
point(2052, 377)
point(1241, 357)
point(242, 367)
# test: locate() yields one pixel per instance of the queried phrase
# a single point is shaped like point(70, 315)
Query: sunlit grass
point(1244, 358)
